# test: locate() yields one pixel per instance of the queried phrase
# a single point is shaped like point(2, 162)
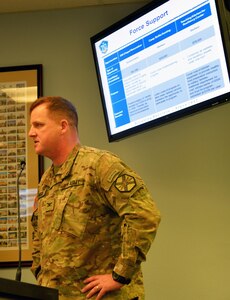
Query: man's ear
point(64, 125)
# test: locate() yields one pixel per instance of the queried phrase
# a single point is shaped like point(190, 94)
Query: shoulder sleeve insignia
point(125, 183)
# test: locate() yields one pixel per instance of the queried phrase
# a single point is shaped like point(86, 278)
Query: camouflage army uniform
point(93, 215)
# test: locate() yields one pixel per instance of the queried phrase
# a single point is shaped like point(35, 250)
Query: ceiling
point(15, 6)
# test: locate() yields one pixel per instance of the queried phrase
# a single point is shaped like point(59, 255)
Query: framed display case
point(20, 167)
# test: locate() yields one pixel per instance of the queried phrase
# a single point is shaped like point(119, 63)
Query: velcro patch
point(49, 205)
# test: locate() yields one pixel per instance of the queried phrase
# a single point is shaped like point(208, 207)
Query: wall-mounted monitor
point(162, 62)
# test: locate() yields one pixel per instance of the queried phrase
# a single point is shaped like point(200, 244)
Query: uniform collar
point(66, 167)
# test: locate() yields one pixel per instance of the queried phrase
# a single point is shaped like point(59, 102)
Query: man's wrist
point(120, 279)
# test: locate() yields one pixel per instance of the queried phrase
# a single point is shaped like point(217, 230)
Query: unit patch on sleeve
point(125, 183)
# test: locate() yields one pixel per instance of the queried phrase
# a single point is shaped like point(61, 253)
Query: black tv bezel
point(224, 22)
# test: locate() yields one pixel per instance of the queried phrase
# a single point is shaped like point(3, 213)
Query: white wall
point(185, 163)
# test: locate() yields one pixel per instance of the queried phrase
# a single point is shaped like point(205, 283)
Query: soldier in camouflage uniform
point(94, 219)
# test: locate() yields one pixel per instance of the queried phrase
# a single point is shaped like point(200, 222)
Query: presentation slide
point(169, 60)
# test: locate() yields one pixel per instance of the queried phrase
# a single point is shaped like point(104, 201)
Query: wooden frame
point(19, 86)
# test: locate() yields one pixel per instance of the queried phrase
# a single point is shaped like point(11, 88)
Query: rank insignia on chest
point(49, 205)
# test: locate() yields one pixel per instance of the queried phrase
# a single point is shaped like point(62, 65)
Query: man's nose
point(31, 132)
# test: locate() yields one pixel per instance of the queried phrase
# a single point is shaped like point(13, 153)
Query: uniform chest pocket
point(72, 214)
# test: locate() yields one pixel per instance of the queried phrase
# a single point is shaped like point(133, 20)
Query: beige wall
point(186, 164)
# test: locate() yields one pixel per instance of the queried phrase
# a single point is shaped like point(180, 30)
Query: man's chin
point(37, 150)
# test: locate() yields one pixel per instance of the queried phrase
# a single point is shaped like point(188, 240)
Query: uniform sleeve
point(130, 199)
point(35, 268)
point(36, 244)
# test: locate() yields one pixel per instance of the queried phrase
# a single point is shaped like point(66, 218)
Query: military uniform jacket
point(93, 215)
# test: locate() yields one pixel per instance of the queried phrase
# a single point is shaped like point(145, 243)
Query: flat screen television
point(164, 61)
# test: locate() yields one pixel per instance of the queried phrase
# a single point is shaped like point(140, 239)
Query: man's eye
point(38, 125)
